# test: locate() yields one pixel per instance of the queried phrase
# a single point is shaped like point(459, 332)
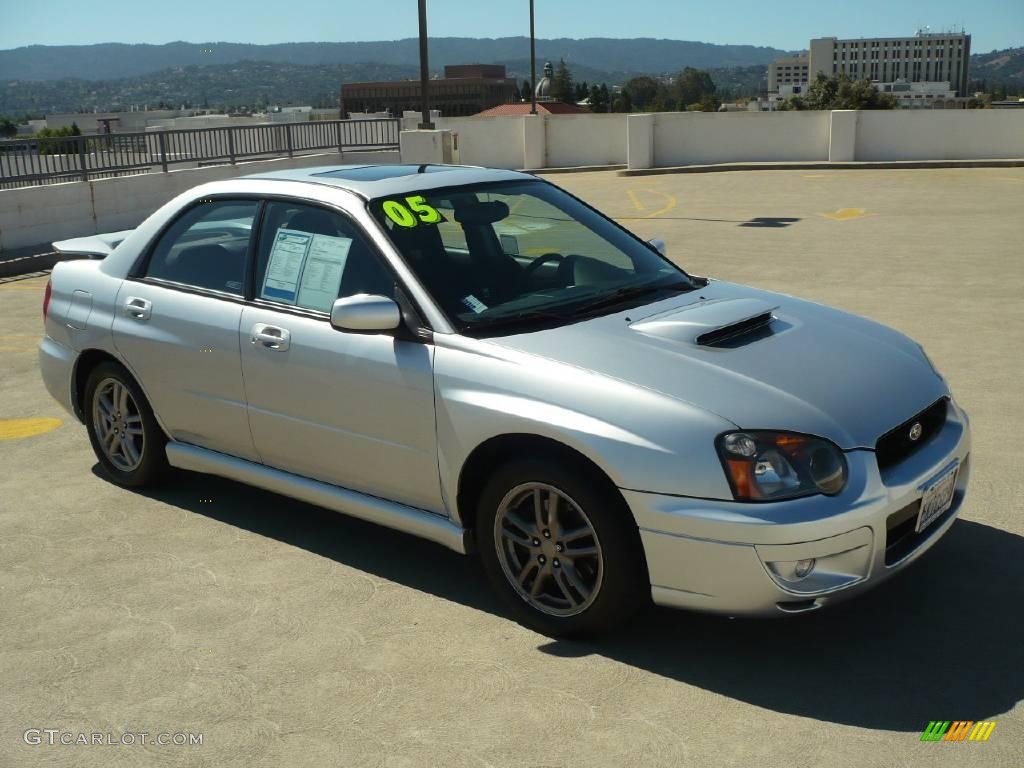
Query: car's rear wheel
point(122, 429)
point(560, 547)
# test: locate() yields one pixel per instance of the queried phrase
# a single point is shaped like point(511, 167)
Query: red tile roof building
point(543, 108)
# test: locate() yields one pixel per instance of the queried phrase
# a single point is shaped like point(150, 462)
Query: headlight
point(769, 466)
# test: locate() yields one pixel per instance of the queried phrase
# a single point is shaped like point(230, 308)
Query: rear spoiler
point(93, 246)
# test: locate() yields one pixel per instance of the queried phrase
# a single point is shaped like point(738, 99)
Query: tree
point(692, 86)
point(527, 90)
point(75, 130)
point(8, 129)
point(840, 92)
point(599, 98)
point(641, 91)
point(622, 102)
point(561, 84)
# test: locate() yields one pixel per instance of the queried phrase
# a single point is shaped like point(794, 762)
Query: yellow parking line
point(16, 429)
point(845, 214)
point(670, 202)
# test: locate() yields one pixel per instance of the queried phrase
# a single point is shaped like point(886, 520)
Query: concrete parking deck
point(288, 635)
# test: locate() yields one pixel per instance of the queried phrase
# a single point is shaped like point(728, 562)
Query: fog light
point(803, 568)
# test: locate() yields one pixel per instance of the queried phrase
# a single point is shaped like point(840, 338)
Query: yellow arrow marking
point(845, 214)
point(16, 429)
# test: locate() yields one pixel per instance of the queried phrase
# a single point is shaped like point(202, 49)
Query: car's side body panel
point(352, 409)
point(186, 350)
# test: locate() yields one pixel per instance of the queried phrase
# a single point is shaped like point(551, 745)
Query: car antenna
point(423, 168)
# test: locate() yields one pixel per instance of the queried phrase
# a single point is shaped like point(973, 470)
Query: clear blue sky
point(993, 23)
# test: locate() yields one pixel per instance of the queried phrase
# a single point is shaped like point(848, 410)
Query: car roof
point(370, 181)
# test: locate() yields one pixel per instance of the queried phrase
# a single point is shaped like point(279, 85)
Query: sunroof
point(379, 172)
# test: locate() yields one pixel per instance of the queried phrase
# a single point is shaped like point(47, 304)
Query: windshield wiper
point(629, 292)
point(525, 318)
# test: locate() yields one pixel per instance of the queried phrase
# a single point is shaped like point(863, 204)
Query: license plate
point(938, 497)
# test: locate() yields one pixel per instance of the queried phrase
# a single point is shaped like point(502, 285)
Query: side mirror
point(657, 244)
point(365, 312)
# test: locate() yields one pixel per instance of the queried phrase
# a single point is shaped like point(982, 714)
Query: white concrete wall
point(36, 215)
point(496, 142)
point(574, 140)
point(517, 141)
point(698, 138)
point(963, 134)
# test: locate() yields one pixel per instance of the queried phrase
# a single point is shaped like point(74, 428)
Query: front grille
point(895, 445)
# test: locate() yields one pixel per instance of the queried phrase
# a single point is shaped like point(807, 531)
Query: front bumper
point(737, 558)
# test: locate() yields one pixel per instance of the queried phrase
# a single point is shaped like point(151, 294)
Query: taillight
point(46, 298)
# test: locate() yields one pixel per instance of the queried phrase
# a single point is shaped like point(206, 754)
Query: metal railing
point(55, 159)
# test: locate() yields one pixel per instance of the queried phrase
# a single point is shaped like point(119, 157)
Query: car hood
point(813, 369)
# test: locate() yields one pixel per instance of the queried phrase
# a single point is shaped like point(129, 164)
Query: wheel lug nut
point(559, 547)
point(547, 534)
point(541, 559)
point(536, 542)
point(556, 563)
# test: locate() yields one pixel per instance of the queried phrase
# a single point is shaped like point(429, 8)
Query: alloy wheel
point(548, 549)
point(118, 424)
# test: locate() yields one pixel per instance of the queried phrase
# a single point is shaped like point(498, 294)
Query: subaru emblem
point(915, 431)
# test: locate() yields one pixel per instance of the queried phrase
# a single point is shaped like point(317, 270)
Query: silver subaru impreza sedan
point(479, 358)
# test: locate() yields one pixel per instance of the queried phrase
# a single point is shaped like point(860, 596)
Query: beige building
point(789, 70)
point(927, 57)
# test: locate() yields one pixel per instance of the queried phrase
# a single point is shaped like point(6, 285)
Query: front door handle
point(270, 337)
point(140, 309)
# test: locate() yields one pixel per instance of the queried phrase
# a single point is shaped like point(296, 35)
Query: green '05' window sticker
point(415, 210)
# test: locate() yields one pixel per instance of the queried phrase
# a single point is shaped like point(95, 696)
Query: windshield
point(501, 256)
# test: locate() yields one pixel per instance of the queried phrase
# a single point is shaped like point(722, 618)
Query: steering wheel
point(534, 265)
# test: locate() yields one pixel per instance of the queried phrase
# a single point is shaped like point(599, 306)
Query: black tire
point(622, 583)
point(151, 465)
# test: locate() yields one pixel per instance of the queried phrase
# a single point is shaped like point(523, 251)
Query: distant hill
point(245, 83)
point(260, 83)
point(116, 60)
point(1004, 68)
point(40, 80)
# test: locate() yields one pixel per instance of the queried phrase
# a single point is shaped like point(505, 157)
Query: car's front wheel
point(560, 546)
point(122, 429)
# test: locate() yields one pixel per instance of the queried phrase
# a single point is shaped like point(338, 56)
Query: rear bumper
point(738, 559)
point(57, 365)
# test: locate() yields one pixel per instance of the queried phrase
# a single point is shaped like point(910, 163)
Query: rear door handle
point(270, 337)
point(140, 309)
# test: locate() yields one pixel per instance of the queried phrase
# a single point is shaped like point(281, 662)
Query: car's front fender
point(643, 440)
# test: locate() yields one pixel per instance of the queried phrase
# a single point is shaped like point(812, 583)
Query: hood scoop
point(712, 323)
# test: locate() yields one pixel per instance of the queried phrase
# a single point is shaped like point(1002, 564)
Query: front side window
point(500, 254)
point(309, 257)
point(207, 246)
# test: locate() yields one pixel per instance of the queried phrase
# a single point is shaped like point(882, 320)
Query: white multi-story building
point(789, 70)
point(927, 57)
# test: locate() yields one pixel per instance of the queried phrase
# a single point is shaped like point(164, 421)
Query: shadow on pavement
point(942, 641)
point(769, 221)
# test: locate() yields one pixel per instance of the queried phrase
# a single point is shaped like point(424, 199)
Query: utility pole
point(424, 68)
point(533, 66)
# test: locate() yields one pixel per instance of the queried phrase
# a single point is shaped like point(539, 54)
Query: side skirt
point(418, 522)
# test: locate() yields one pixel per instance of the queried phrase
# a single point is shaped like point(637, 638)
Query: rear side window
point(207, 246)
point(310, 256)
